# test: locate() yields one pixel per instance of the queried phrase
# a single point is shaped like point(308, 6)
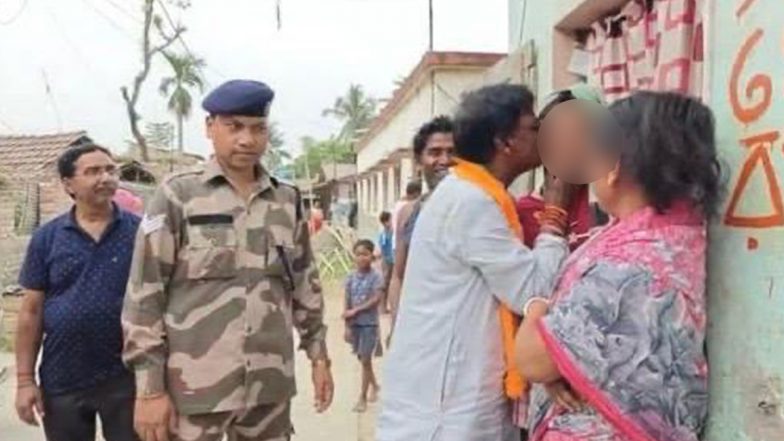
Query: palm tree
point(276, 153)
point(187, 75)
point(356, 110)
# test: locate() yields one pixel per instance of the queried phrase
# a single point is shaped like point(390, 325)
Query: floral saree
point(626, 331)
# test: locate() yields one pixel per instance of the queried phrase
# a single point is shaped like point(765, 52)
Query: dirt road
point(338, 424)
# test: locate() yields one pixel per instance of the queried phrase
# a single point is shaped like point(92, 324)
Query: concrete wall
point(747, 246)
point(745, 74)
point(537, 21)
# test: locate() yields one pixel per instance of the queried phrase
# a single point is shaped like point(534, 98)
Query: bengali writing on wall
point(750, 96)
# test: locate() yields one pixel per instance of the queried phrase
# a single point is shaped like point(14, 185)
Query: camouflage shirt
point(216, 286)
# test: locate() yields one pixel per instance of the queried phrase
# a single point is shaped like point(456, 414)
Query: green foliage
point(277, 156)
point(315, 153)
point(5, 343)
point(160, 135)
point(186, 75)
point(356, 110)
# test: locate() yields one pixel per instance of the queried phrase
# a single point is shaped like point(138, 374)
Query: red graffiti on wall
point(750, 101)
point(759, 83)
point(744, 6)
point(759, 147)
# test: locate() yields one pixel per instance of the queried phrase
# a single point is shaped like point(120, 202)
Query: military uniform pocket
point(280, 256)
point(211, 252)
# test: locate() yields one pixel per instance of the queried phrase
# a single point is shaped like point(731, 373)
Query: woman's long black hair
point(669, 148)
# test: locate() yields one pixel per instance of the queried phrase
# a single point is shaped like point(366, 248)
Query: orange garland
point(514, 383)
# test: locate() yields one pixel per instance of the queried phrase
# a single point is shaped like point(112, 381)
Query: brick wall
point(53, 199)
point(7, 212)
point(12, 251)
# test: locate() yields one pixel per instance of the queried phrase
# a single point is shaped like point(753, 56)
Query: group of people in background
point(553, 318)
point(550, 317)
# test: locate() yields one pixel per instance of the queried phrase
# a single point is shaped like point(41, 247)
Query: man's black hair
point(414, 188)
point(385, 217)
point(66, 163)
point(439, 124)
point(490, 113)
point(366, 244)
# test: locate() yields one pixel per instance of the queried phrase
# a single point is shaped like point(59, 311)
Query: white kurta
point(443, 378)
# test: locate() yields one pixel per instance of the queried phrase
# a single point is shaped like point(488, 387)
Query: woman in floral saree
point(619, 345)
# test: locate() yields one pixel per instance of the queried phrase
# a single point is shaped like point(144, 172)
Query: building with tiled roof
point(28, 157)
point(31, 192)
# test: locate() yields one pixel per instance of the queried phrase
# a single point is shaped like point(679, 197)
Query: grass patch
point(6, 344)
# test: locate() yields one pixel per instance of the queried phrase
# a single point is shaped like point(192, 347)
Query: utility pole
point(430, 23)
point(52, 99)
point(430, 50)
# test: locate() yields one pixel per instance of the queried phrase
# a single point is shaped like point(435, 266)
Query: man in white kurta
point(444, 373)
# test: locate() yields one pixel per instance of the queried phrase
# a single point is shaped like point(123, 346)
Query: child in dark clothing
point(387, 250)
point(364, 290)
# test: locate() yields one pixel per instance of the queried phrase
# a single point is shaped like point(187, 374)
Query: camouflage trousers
point(269, 422)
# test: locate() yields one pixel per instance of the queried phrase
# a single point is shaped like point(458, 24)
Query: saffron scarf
point(514, 384)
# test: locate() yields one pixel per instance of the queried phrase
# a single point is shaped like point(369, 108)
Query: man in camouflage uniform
point(222, 271)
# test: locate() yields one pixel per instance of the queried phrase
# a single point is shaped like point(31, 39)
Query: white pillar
point(406, 172)
point(361, 194)
point(368, 194)
point(379, 205)
point(391, 185)
point(371, 192)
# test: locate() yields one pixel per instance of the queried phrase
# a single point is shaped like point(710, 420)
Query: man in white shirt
point(445, 371)
point(433, 150)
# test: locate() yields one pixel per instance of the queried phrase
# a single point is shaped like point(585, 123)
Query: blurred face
point(95, 179)
point(575, 141)
point(239, 141)
point(437, 157)
point(363, 257)
point(519, 149)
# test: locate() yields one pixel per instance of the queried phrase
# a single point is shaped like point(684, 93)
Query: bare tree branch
point(148, 53)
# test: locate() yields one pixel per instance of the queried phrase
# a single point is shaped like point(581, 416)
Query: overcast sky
point(87, 49)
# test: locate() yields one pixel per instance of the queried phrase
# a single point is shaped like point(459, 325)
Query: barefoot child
point(364, 289)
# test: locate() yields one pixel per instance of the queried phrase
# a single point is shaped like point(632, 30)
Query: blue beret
point(239, 97)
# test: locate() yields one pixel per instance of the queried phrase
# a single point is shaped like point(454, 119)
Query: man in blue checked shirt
point(74, 276)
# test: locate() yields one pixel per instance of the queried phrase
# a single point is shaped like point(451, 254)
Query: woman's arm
point(532, 358)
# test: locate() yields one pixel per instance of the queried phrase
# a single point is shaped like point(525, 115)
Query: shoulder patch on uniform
point(150, 224)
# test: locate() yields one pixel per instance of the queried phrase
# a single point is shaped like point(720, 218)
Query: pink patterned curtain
point(650, 45)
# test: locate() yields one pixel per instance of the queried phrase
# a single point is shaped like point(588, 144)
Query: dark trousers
point(72, 416)
point(386, 270)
